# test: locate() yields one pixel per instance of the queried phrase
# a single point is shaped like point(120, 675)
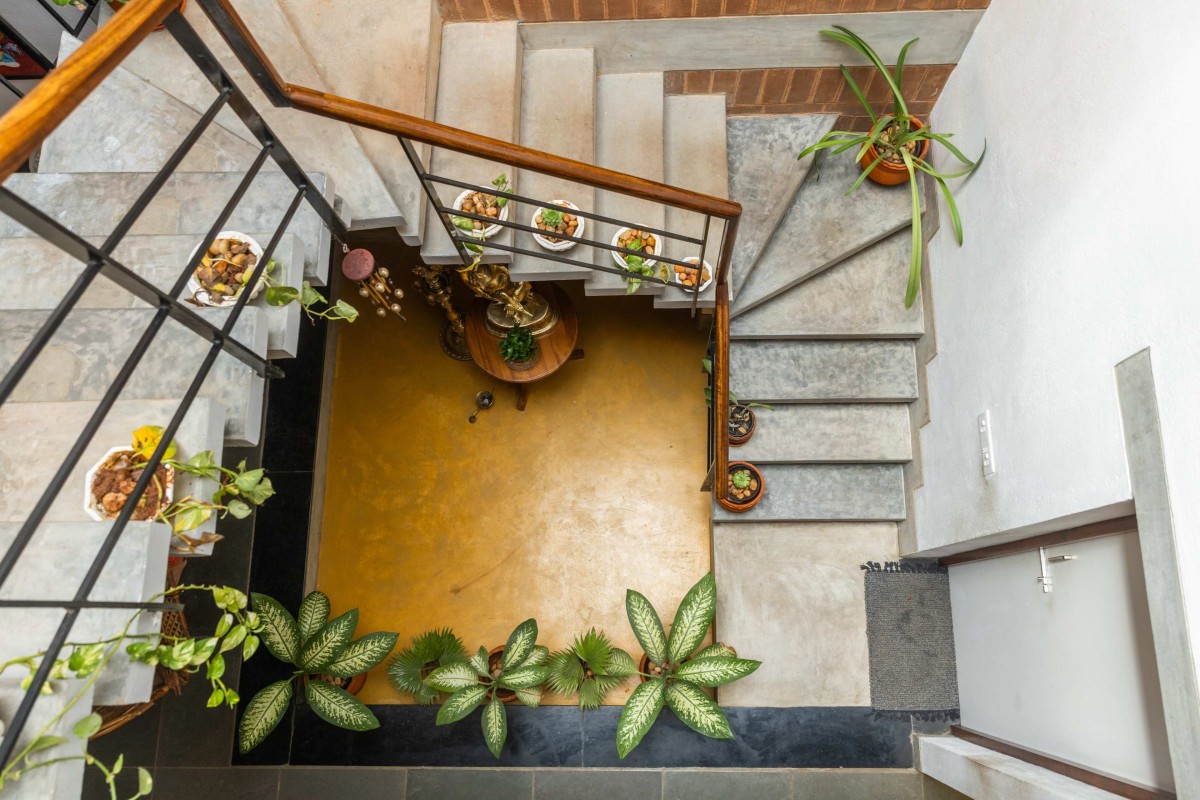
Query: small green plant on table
point(518, 345)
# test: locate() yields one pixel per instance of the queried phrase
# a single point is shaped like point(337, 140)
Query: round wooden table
point(555, 347)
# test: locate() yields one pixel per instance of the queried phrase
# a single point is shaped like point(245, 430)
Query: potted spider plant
point(517, 671)
point(896, 148)
point(409, 668)
point(518, 348)
point(679, 673)
point(590, 668)
point(742, 419)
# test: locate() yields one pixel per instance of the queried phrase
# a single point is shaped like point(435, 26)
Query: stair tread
point(91, 204)
point(485, 101)
point(764, 175)
point(50, 429)
point(312, 140)
point(822, 227)
point(835, 432)
point(405, 82)
point(696, 154)
point(861, 296)
point(851, 492)
point(558, 115)
point(54, 563)
point(65, 778)
point(45, 272)
point(805, 371)
point(90, 347)
point(629, 138)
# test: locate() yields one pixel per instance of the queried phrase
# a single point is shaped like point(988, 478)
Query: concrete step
point(833, 433)
point(862, 296)
point(54, 564)
point(696, 159)
point(149, 126)
point(50, 429)
point(558, 115)
point(823, 227)
point(764, 176)
point(629, 138)
point(42, 273)
point(65, 778)
point(480, 91)
point(823, 371)
point(91, 204)
point(833, 492)
point(405, 82)
point(315, 142)
point(90, 348)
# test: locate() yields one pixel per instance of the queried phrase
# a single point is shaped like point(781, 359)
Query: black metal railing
point(99, 260)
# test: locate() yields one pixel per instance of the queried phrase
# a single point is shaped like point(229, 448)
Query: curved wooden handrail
point(38, 113)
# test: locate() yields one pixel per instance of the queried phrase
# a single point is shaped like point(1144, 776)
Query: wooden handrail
point(720, 391)
point(38, 113)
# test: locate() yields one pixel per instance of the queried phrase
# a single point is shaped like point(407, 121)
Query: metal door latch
point(1045, 578)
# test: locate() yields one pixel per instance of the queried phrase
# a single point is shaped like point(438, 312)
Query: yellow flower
point(146, 439)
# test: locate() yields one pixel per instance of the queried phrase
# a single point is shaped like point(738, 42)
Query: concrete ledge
point(985, 774)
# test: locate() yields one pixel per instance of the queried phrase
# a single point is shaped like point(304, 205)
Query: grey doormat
point(910, 639)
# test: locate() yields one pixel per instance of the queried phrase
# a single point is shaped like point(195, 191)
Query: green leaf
point(900, 71)
point(328, 642)
point(452, 677)
point(338, 707)
point(145, 782)
point(519, 645)
point(232, 697)
point(224, 624)
point(345, 311)
point(216, 698)
point(693, 619)
point(234, 638)
point(248, 480)
point(647, 627)
point(45, 743)
point(479, 663)
point(713, 650)
point(495, 726)
point(537, 656)
point(309, 295)
point(190, 517)
point(88, 726)
point(639, 713)
point(523, 677)
point(697, 710)
point(204, 648)
point(716, 670)
point(314, 612)
point(118, 765)
point(281, 295)
point(620, 664)
point(279, 630)
point(529, 697)
point(853, 84)
point(363, 654)
point(249, 647)
point(263, 713)
point(461, 703)
point(914, 265)
point(259, 494)
point(216, 668)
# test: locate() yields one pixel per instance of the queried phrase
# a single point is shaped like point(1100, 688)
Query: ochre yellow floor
point(549, 513)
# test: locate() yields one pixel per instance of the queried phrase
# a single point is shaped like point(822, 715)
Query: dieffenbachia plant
point(677, 671)
point(316, 646)
point(410, 667)
point(590, 668)
point(521, 670)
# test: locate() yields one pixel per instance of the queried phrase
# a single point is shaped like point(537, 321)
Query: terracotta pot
point(887, 173)
point(494, 656)
point(738, 441)
point(729, 503)
point(524, 365)
point(644, 666)
point(117, 5)
point(353, 687)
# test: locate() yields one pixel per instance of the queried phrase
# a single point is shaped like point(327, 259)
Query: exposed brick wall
point(579, 10)
point(812, 90)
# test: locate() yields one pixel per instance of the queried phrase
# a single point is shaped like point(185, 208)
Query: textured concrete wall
point(577, 10)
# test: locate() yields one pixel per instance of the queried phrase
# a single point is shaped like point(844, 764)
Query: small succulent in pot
point(482, 204)
point(409, 668)
point(742, 419)
point(590, 668)
point(518, 348)
point(557, 218)
point(517, 670)
point(744, 486)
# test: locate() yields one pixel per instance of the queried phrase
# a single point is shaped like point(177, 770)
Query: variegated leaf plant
point(521, 670)
point(678, 671)
point(317, 647)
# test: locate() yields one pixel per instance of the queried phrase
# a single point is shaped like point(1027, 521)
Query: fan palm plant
point(409, 668)
point(894, 138)
point(520, 670)
point(677, 671)
point(589, 668)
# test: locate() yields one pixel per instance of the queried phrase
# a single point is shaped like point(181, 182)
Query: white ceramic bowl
point(561, 244)
point(93, 507)
point(202, 296)
point(692, 260)
point(482, 233)
point(619, 258)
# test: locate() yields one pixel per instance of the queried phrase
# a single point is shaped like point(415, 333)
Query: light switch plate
point(987, 452)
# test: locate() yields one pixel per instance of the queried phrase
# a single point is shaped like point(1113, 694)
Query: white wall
point(1070, 673)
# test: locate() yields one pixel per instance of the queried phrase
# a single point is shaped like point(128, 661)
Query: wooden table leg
point(522, 396)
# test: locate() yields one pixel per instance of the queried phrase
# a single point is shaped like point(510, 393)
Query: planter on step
point(482, 205)
point(224, 270)
point(744, 487)
point(742, 423)
point(353, 685)
point(110, 481)
point(894, 173)
point(687, 277)
point(567, 223)
point(495, 657)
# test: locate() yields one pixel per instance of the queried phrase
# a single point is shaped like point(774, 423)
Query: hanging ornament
point(374, 282)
